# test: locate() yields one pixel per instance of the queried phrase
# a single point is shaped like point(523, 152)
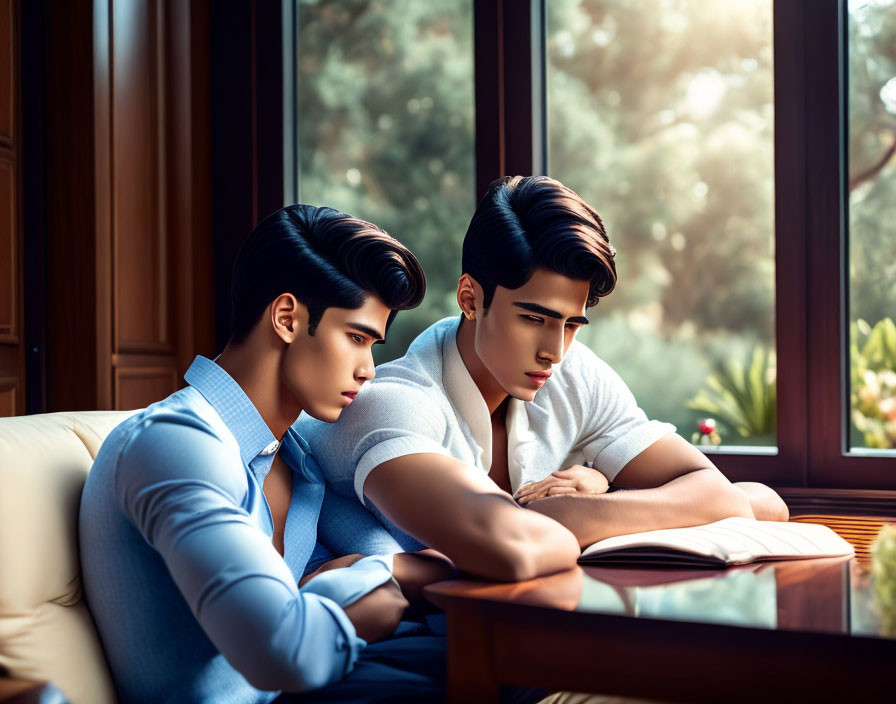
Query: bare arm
point(457, 510)
point(681, 487)
point(767, 505)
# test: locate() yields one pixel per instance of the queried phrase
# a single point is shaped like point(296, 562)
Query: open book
point(732, 541)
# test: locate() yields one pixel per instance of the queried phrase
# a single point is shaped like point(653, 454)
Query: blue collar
point(230, 401)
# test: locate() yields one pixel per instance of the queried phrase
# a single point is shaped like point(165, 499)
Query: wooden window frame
point(810, 217)
point(810, 222)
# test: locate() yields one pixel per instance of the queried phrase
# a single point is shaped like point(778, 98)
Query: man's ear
point(288, 317)
point(469, 296)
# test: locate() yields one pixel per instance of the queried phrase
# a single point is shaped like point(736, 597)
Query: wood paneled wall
point(129, 243)
point(12, 343)
point(144, 277)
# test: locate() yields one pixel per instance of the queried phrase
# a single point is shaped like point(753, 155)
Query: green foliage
point(743, 399)
point(872, 175)
point(663, 120)
point(872, 348)
point(385, 105)
point(661, 372)
point(883, 570)
point(873, 382)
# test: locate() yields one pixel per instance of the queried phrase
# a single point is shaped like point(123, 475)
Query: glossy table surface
point(833, 595)
point(698, 631)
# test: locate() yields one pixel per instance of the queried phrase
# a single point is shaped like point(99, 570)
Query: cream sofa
point(46, 631)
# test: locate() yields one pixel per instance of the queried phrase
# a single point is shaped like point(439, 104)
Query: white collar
point(465, 397)
point(472, 412)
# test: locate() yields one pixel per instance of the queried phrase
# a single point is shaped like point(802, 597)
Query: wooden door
point(129, 244)
point(12, 343)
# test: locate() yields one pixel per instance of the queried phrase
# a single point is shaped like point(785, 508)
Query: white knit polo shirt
point(427, 402)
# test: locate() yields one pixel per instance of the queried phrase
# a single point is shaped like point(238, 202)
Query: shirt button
point(271, 449)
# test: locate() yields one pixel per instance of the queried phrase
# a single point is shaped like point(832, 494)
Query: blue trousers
point(408, 667)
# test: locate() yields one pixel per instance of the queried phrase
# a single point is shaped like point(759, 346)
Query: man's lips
point(539, 376)
point(350, 395)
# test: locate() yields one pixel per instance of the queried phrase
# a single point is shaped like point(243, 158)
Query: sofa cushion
point(46, 632)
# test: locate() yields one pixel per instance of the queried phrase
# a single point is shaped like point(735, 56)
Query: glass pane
point(385, 125)
point(660, 114)
point(872, 222)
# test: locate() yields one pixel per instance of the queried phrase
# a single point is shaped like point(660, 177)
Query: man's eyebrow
point(367, 331)
point(535, 308)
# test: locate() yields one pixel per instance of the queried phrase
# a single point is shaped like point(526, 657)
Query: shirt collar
point(236, 410)
point(466, 398)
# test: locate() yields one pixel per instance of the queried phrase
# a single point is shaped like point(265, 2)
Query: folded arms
point(182, 488)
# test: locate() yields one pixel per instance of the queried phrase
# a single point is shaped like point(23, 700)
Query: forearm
point(414, 570)
point(423, 495)
point(698, 497)
point(540, 547)
point(504, 542)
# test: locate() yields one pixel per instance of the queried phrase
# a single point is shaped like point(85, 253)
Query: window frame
point(810, 224)
point(810, 218)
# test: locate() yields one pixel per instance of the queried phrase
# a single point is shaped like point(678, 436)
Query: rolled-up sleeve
point(615, 430)
point(390, 418)
point(182, 487)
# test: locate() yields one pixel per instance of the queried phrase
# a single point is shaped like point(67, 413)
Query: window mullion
point(822, 127)
point(790, 239)
point(510, 94)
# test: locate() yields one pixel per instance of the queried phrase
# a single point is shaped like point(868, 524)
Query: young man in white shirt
point(503, 408)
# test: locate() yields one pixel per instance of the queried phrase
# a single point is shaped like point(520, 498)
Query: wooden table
point(793, 631)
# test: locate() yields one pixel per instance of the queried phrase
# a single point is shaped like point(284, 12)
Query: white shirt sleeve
point(389, 418)
point(614, 430)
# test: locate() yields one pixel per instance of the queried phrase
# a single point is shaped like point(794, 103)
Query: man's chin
point(525, 395)
point(327, 415)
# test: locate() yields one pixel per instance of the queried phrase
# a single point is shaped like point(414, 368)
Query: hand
point(344, 561)
point(376, 614)
point(577, 479)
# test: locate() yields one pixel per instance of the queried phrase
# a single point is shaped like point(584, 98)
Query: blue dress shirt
point(192, 601)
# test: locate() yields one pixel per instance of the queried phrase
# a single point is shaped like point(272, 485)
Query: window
point(385, 131)
point(740, 151)
point(871, 185)
point(661, 116)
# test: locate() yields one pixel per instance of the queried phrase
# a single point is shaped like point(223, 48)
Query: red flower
point(706, 426)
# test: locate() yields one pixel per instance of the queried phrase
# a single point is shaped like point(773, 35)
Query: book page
point(730, 541)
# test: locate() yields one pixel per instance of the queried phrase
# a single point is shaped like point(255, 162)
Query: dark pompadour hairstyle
point(523, 223)
point(325, 258)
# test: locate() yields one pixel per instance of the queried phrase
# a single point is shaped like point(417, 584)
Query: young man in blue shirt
point(199, 516)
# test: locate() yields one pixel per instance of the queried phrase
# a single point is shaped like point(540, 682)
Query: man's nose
point(552, 348)
point(366, 370)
